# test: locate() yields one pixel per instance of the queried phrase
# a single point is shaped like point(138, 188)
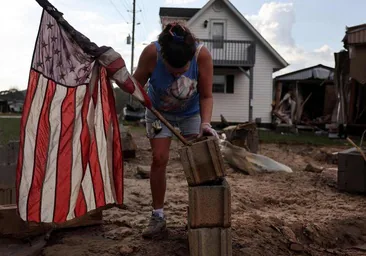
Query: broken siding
point(234, 107)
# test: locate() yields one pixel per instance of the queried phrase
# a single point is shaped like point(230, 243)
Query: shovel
point(170, 127)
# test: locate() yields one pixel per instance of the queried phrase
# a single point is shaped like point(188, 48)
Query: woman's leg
point(160, 144)
point(160, 157)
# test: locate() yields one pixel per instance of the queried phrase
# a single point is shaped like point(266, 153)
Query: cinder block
point(13, 149)
point(210, 206)
point(210, 242)
point(202, 161)
point(8, 175)
point(3, 155)
point(129, 146)
point(351, 171)
point(10, 222)
point(7, 195)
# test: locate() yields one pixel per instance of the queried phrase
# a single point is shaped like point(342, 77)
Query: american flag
point(70, 159)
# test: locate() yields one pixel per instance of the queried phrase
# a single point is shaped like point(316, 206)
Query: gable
point(234, 30)
point(224, 9)
point(181, 15)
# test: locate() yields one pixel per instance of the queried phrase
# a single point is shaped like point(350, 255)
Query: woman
point(179, 71)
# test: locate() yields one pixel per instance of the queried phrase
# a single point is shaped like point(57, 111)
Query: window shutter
point(230, 84)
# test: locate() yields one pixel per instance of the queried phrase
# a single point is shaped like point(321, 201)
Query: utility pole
point(133, 33)
point(132, 40)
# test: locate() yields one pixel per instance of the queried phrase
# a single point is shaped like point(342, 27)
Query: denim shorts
point(185, 125)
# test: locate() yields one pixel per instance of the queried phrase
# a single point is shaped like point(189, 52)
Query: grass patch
point(304, 138)
point(9, 130)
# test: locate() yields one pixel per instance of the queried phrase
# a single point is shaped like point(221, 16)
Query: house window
point(218, 35)
point(223, 84)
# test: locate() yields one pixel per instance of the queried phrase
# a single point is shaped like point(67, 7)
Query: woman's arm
point(146, 64)
point(205, 80)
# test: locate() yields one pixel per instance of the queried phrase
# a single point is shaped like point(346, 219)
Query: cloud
point(17, 42)
point(275, 22)
point(22, 22)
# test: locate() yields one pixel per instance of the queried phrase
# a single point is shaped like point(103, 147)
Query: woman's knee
point(160, 158)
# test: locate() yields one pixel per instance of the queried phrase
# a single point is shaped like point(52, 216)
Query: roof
point(355, 35)
point(246, 23)
point(178, 12)
point(315, 72)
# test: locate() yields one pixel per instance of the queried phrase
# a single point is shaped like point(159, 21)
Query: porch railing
point(231, 52)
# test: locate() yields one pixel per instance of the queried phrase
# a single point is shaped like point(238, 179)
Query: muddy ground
point(301, 213)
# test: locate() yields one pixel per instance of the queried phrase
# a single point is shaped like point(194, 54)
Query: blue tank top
point(174, 95)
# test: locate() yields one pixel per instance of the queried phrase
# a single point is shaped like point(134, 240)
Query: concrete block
point(7, 195)
point(8, 175)
point(10, 222)
point(129, 146)
point(3, 155)
point(351, 171)
point(13, 149)
point(210, 242)
point(202, 161)
point(210, 206)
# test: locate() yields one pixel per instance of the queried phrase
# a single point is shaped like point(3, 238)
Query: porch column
point(251, 88)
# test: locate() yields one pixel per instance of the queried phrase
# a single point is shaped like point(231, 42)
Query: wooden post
point(351, 106)
point(278, 94)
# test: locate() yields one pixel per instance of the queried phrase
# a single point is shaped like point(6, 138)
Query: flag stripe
point(33, 81)
point(30, 146)
point(96, 173)
point(102, 143)
point(40, 156)
point(88, 190)
point(117, 159)
point(48, 191)
point(94, 164)
point(64, 161)
point(70, 156)
point(81, 206)
point(108, 132)
point(77, 167)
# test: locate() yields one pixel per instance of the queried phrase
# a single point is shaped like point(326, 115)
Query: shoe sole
point(157, 236)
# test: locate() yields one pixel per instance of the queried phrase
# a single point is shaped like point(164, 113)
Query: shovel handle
point(358, 148)
point(170, 127)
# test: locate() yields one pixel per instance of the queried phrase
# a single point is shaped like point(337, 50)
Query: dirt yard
point(272, 214)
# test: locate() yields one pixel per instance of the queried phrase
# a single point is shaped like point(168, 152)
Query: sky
point(304, 32)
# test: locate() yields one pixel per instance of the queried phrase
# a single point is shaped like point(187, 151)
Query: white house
point(243, 60)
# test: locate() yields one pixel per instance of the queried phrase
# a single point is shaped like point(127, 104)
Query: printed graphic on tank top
point(178, 95)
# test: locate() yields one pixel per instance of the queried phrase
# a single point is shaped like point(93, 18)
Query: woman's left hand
point(206, 129)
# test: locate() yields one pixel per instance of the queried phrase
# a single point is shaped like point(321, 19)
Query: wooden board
point(202, 162)
point(11, 225)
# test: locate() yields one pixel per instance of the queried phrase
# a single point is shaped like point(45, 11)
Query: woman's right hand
point(206, 129)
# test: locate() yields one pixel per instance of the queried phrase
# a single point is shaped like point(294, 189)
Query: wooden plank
point(351, 106)
point(15, 247)
point(11, 225)
point(278, 94)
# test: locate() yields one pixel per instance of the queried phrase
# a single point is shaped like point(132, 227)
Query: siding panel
point(235, 107)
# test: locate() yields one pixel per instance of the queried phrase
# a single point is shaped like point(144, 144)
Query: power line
point(143, 17)
point(115, 7)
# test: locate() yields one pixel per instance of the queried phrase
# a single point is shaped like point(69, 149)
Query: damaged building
point(305, 97)
point(350, 80)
